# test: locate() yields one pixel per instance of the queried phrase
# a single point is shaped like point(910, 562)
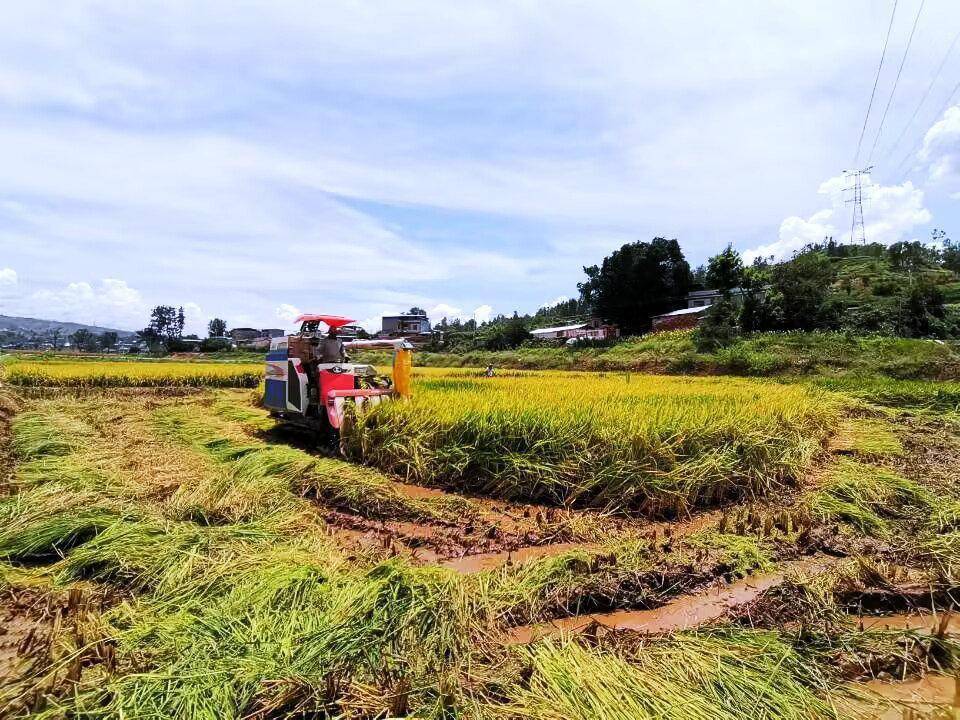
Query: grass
point(124, 373)
point(867, 437)
point(48, 521)
point(921, 394)
point(38, 434)
point(261, 475)
point(658, 444)
point(715, 675)
point(868, 497)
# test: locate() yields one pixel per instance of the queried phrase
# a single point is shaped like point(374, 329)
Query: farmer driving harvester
point(310, 383)
point(333, 350)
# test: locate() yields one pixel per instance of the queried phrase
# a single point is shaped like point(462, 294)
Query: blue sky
point(249, 160)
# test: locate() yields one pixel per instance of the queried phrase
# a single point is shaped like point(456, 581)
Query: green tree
point(637, 281)
point(725, 271)
point(108, 340)
point(912, 256)
point(950, 252)
point(718, 328)
point(922, 310)
point(217, 327)
point(800, 289)
point(84, 340)
point(756, 310)
point(163, 321)
point(507, 334)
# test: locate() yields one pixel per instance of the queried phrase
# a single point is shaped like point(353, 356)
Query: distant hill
point(26, 325)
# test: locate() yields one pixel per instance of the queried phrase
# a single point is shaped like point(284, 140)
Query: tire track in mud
point(499, 534)
point(686, 612)
point(487, 561)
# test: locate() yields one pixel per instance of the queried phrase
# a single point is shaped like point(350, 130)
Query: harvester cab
point(310, 382)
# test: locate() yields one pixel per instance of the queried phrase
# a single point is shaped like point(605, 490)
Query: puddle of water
point(489, 561)
point(920, 622)
point(684, 613)
point(912, 698)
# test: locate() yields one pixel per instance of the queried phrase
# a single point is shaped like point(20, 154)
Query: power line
point(903, 60)
point(926, 94)
point(876, 79)
point(940, 112)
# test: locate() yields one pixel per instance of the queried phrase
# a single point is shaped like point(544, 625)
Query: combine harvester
point(310, 383)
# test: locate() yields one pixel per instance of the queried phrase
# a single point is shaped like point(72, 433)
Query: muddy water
point(931, 696)
point(489, 561)
point(684, 613)
point(920, 622)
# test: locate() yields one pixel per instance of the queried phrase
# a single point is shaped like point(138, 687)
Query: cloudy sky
point(248, 160)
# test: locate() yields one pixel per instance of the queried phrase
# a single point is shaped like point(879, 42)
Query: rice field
point(655, 443)
point(64, 373)
point(178, 556)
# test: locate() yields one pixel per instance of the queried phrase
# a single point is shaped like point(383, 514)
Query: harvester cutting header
point(310, 381)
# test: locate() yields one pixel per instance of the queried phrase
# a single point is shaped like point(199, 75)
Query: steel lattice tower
point(855, 187)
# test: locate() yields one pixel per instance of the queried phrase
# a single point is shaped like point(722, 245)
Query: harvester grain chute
point(311, 384)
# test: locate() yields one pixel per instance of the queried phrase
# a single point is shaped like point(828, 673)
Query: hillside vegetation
point(760, 354)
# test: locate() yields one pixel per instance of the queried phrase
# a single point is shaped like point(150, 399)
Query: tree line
point(164, 332)
point(895, 290)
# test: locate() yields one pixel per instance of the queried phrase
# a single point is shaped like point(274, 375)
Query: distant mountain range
point(26, 326)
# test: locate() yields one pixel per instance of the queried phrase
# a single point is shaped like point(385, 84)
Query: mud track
point(684, 613)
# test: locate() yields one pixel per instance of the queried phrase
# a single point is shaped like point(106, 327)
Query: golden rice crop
point(648, 442)
point(126, 373)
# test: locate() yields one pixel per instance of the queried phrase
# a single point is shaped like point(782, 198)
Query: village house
point(698, 302)
point(593, 329)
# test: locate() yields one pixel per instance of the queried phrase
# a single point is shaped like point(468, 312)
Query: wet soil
point(657, 531)
point(931, 451)
point(433, 543)
point(684, 613)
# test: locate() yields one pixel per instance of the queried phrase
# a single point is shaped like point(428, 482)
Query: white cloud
point(196, 321)
point(891, 212)
point(232, 155)
point(483, 313)
point(8, 276)
point(941, 148)
point(288, 313)
point(443, 310)
point(556, 301)
point(370, 324)
point(110, 303)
